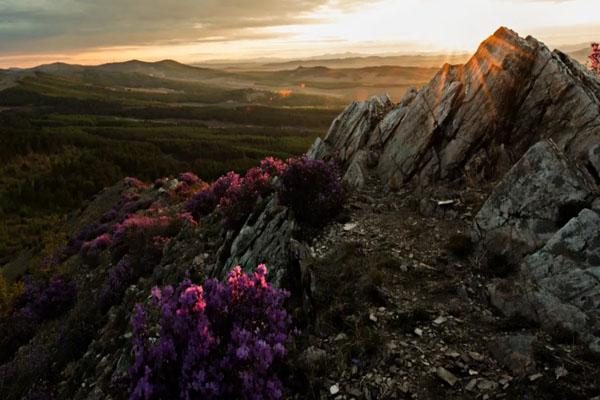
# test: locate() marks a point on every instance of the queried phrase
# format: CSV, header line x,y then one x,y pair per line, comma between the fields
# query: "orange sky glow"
x,y
37,31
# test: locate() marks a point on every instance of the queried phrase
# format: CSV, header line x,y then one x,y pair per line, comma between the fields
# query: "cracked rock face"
x,y
264,238
559,286
475,119
532,201
518,114
351,130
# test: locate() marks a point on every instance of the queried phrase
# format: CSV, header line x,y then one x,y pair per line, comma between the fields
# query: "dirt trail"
x,y
436,332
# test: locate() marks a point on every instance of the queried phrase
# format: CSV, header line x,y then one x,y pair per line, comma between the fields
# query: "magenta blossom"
x,y
216,341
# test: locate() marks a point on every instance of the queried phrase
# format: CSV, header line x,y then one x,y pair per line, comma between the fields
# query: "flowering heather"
x,y
189,178
186,218
594,57
312,189
102,242
240,198
119,278
185,191
205,201
137,247
217,341
90,251
131,207
139,225
135,183
235,195
49,299
273,166
73,246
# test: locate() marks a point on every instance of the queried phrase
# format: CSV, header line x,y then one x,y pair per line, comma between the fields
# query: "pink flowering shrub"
x,y
235,195
189,178
312,189
45,300
216,341
135,183
205,201
90,250
273,166
135,231
594,57
102,242
240,198
137,248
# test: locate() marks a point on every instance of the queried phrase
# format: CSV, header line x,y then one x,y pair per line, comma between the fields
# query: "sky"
x,y
34,32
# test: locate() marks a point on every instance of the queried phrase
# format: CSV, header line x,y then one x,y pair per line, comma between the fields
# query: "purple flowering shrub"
x,y
41,300
135,183
90,250
273,166
216,341
137,248
312,189
45,300
240,198
135,233
235,195
205,201
119,278
189,178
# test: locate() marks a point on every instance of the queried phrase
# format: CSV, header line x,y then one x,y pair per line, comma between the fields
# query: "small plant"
x,y
9,292
90,251
135,183
45,300
205,201
460,245
189,178
313,190
273,166
119,278
217,341
138,230
594,57
235,195
240,198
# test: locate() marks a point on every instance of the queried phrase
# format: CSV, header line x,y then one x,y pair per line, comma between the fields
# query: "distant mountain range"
x,y
346,76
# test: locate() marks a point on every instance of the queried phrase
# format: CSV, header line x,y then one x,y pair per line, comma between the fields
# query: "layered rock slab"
x,y
559,286
473,122
266,237
533,201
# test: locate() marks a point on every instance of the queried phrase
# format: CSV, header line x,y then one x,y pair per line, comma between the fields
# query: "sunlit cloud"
x,y
89,31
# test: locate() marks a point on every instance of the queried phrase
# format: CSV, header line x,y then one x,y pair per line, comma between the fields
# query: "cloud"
x,y
63,25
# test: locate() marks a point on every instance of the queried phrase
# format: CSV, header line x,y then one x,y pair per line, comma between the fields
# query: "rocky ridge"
x,y
473,121
466,263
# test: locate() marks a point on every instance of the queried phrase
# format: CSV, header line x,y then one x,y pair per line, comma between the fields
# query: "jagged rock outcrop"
x,y
351,130
559,286
266,237
474,121
515,112
534,200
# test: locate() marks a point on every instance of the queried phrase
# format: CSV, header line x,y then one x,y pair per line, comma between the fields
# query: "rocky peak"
x,y
472,122
521,116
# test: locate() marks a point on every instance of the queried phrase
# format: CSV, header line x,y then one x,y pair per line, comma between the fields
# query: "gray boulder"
x,y
351,130
559,286
594,160
266,237
532,201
